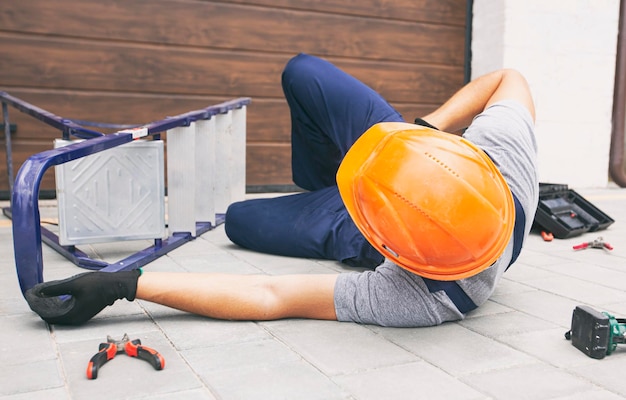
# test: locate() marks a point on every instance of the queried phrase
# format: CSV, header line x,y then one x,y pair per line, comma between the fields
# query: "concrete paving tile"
x,y
292,380
221,263
537,259
201,246
196,394
115,251
49,394
189,331
265,369
338,348
33,343
156,311
607,373
455,349
268,261
615,261
98,328
521,272
165,264
416,380
12,301
537,382
547,306
488,308
506,324
29,377
124,376
236,355
616,309
303,266
218,237
507,286
596,394
579,290
549,346
592,273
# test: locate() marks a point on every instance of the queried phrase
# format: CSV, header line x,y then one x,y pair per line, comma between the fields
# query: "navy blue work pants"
x,y
329,111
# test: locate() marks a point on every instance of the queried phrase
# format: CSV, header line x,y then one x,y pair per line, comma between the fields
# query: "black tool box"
x,y
565,213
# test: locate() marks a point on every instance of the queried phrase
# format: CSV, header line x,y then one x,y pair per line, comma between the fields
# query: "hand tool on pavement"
x,y
595,244
133,348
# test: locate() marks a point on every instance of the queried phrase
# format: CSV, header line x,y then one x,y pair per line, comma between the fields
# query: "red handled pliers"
x,y
133,348
596,244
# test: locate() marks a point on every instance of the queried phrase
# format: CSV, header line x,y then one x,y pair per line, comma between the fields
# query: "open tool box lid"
x,y
565,213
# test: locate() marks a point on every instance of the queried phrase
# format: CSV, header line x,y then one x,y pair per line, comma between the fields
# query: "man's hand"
x,y
87,294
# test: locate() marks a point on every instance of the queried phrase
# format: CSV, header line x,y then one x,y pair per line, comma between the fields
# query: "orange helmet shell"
x,y
432,202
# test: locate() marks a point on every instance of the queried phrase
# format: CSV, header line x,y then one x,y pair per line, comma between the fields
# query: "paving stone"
x,y
536,303
11,299
235,355
455,349
48,394
196,394
506,286
31,376
592,273
488,308
338,348
220,263
201,246
416,380
595,394
25,340
265,369
99,328
607,373
549,346
506,324
579,290
189,331
537,382
293,380
536,259
521,272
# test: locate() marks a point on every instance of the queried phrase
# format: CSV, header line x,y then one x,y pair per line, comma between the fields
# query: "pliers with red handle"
x,y
596,244
133,348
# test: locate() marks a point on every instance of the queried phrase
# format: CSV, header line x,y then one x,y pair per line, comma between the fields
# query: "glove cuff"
x,y
127,283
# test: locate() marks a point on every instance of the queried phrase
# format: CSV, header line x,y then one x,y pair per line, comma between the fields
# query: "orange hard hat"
x,y
431,201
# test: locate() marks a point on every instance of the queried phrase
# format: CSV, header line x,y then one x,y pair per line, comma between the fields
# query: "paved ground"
x,y
510,348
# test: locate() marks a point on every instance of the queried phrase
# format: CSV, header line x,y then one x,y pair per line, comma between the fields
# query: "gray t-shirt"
x,y
393,296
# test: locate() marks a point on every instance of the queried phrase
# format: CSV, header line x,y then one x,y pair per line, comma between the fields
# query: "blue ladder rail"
x,y
24,205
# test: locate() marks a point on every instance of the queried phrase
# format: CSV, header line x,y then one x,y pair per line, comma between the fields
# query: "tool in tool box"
x,y
598,243
547,236
133,348
596,334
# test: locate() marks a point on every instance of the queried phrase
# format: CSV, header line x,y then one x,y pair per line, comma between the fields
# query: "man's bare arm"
x,y
242,297
457,113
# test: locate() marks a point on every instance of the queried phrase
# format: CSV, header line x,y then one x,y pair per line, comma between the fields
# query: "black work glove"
x,y
419,121
90,292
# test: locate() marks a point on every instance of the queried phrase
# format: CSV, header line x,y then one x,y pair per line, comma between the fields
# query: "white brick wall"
x,y
566,49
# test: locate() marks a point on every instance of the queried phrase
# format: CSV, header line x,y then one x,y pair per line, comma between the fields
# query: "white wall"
x,y
566,49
